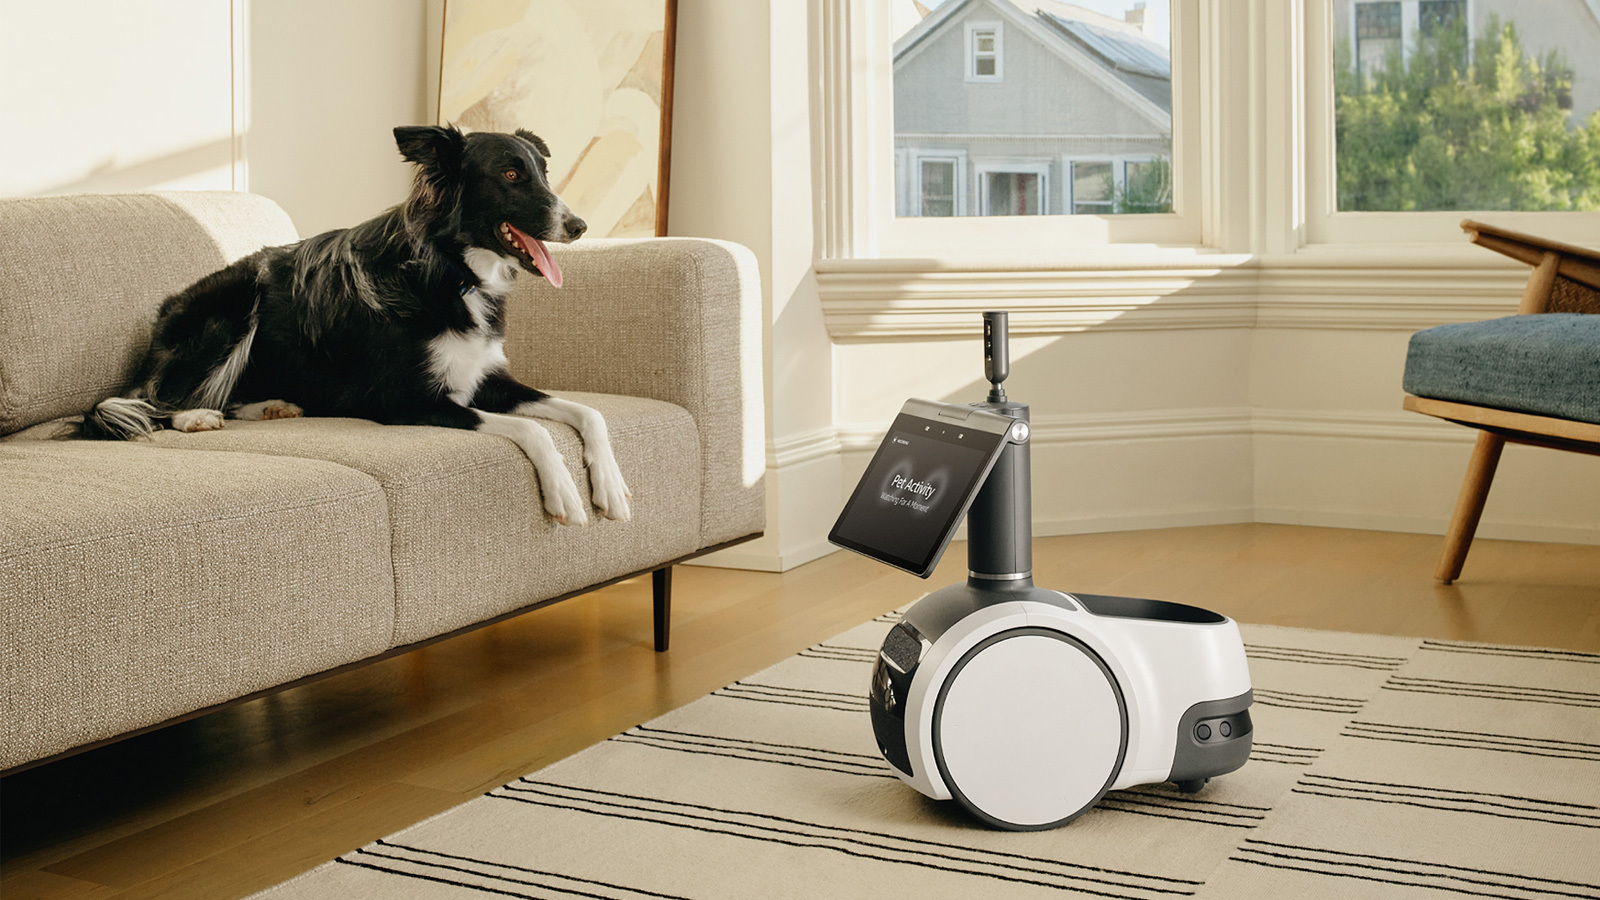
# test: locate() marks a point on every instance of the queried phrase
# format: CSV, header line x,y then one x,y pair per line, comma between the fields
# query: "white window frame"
x,y
957,158
1326,228
972,56
856,200
983,168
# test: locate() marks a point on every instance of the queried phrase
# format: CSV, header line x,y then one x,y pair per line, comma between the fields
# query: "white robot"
x,y
1027,705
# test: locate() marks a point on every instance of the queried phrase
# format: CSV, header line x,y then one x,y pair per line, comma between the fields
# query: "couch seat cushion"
x,y
137,584
470,536
1546,364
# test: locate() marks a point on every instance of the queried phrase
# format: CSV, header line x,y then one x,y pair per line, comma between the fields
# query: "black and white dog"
x,y
400,320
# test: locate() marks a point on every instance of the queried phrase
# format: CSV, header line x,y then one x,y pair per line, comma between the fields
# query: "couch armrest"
x,y
674,319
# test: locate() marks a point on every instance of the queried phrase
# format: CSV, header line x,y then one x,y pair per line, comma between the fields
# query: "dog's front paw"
x,y
561,498
192,420
610,491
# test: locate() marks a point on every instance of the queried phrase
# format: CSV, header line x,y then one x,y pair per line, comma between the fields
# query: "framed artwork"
x,y
591,77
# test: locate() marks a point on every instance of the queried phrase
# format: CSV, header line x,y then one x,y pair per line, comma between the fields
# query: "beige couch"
x,y
142,582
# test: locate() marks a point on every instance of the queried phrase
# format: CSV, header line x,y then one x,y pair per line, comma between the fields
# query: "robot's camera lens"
x,y
1203,732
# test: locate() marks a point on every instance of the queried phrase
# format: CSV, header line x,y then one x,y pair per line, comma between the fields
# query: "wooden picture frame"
x,y
591,77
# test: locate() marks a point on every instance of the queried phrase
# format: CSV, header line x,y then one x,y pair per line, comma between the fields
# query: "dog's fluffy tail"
x,y
121,419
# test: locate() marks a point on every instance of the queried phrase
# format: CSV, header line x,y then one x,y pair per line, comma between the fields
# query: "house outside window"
x,y
1039,84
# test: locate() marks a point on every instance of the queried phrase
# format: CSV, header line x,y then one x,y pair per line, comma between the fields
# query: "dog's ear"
x,y
537,142
436,149
433,207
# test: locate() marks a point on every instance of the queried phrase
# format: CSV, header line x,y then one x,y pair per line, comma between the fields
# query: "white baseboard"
x,y
1503,531
1061,525
764,560
804,492
763,556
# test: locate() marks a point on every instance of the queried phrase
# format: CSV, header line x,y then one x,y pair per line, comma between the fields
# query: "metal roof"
x,y
1118,49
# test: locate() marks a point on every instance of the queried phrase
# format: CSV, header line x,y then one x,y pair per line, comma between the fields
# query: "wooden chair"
x,y
1565,278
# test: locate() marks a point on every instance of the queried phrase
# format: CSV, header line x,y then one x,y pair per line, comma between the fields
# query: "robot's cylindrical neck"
x,y
1000,521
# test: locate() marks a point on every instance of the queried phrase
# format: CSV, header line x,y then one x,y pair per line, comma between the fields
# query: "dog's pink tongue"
x,y
541,255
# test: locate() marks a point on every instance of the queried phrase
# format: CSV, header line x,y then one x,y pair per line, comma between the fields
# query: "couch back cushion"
x,y
81,278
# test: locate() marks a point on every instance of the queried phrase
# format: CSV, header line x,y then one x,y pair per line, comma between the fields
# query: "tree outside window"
x,y
1446,121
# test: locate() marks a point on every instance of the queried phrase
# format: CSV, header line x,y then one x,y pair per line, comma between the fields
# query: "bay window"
x,y
1264,127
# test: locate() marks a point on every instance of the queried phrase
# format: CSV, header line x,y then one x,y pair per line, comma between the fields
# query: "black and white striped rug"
x,y
1383,767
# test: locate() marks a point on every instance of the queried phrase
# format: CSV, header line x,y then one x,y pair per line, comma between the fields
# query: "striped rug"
x,y
1383,767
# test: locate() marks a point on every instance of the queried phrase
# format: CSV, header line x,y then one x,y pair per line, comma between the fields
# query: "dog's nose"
x,y
576,227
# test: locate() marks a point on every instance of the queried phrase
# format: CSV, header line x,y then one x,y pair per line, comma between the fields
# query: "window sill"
x,y
1146,288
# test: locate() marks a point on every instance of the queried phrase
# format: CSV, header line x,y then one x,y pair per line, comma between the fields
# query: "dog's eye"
x,y
513,175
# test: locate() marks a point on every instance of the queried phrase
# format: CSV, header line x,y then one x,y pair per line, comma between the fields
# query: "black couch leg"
x,y
661,586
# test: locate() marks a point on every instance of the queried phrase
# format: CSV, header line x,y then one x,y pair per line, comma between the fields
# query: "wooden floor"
x,y
234,802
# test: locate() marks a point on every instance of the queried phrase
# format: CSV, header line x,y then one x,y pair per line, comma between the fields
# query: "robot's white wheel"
x,y
1029,729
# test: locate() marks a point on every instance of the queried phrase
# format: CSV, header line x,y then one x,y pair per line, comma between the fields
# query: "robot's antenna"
x,y
996,354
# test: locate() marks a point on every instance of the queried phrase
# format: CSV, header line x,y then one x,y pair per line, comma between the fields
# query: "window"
x,y
1436,16
983,52
1381,29
938,191
1378,35
931,183
1014,189
1092,188
1266,111
1447,120
1485,108
1146,186
1041,84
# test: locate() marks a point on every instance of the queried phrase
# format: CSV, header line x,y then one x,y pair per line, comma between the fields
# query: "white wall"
x,y
741,171
119,96
294,99
329,81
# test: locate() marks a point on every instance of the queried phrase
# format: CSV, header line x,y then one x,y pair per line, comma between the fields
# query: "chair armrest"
x,y
673,319
1581,264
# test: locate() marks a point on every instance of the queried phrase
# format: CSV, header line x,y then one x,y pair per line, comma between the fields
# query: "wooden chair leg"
x,y
1469,505
661,587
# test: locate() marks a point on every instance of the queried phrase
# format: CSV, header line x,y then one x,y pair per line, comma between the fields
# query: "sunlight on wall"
x,y
137,96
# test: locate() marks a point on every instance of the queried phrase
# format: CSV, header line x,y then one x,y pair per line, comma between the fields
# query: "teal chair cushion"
x,y
1548,364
